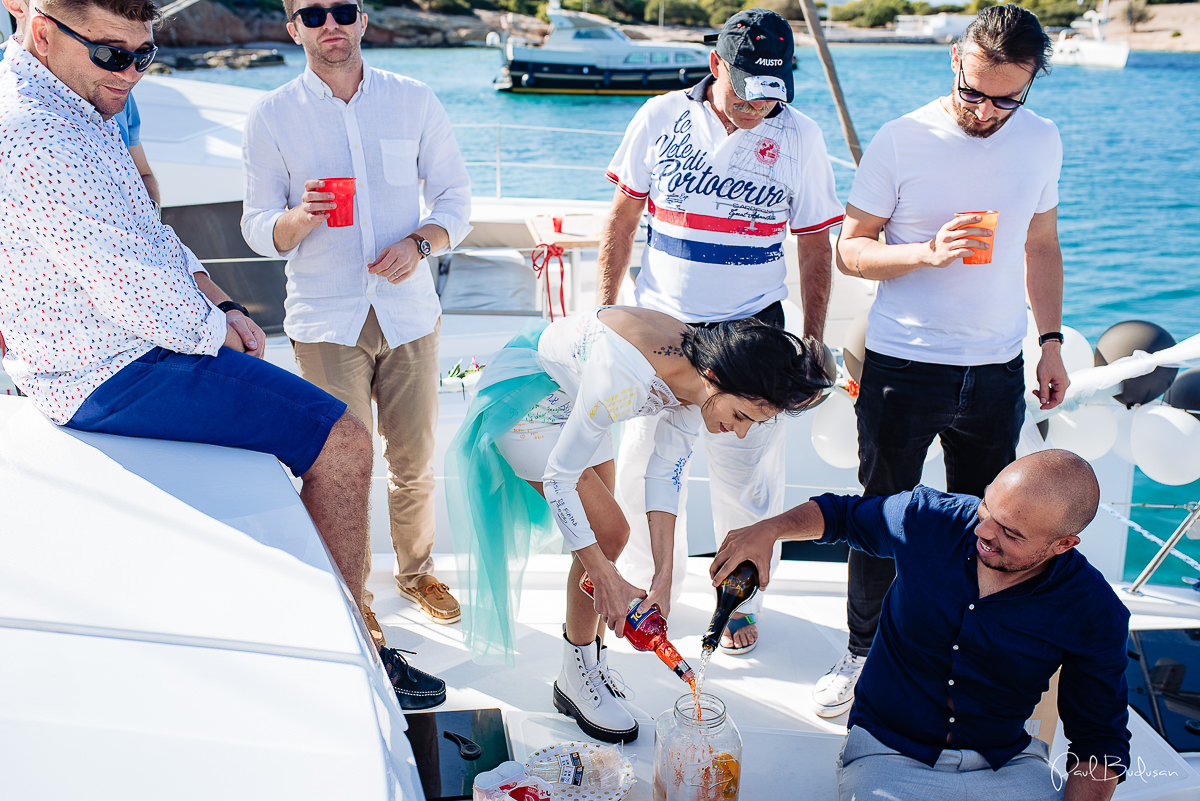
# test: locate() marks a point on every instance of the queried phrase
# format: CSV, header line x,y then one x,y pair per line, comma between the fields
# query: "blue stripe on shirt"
x,y
711,253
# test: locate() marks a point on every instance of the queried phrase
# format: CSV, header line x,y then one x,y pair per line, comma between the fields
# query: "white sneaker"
x,y
582,693
834,692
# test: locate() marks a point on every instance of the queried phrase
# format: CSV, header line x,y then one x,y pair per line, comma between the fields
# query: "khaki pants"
x,y
403,383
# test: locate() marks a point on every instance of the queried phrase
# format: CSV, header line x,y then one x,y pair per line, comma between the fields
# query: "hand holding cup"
x,y
983,231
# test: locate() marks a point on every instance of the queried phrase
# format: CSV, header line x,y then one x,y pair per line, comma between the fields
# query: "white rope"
x,y
1192,563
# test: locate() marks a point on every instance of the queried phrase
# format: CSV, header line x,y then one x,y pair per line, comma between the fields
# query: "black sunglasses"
x,y
974,97
105,56
314,16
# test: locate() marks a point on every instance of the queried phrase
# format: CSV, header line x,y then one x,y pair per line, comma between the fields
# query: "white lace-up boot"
x,y
619,688
834,692
582,693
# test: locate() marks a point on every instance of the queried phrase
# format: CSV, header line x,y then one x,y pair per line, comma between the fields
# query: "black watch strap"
x,y
423,245
1050,336
232,305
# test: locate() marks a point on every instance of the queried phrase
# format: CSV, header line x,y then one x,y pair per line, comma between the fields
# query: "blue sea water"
x,y
1129,212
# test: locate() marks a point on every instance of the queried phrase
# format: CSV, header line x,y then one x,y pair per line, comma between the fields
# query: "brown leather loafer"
x,y
434,598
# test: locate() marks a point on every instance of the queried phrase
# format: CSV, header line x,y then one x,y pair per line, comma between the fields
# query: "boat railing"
x,y
500,162
1166,547
473,149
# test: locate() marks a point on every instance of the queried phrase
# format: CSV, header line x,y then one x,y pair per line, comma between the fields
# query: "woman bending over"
x,y
543,413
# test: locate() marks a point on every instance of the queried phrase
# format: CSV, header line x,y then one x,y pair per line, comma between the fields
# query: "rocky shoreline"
x,y
245,38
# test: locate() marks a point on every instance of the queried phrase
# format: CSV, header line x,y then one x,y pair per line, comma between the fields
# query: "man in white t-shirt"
x,y
725,169
943,355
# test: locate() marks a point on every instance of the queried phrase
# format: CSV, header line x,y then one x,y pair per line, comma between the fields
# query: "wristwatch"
x,y
232,305
422,244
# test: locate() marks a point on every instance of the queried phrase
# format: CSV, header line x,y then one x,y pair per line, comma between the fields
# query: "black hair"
x,y
759,362
1009,34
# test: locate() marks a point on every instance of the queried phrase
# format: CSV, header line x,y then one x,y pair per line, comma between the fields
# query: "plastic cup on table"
x,y
343,195
987,220
557,222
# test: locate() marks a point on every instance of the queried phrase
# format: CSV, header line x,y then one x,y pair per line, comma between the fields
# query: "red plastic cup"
x,y
557,221
343,195
988,221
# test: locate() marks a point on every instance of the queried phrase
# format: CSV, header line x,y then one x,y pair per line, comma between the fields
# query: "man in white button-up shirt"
x,y
361,306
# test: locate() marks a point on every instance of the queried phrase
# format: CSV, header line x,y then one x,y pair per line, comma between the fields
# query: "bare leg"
x,y
595,491
335,494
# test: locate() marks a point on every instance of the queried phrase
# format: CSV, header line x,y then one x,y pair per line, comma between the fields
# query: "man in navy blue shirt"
x,y
990,599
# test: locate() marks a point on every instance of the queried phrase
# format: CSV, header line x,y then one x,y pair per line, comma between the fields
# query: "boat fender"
x,y
527,79
645,79
683,76
607,77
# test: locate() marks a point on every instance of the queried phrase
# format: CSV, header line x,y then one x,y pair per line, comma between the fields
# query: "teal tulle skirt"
x,y
497,519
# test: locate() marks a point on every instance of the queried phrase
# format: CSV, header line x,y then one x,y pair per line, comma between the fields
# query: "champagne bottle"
x,y
646,630
737,588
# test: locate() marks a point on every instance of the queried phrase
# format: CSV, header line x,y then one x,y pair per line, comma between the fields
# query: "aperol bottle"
x,y
646,630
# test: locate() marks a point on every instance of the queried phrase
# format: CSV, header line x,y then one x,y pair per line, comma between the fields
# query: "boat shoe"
x,y
374,627
415,689
434,599
581,693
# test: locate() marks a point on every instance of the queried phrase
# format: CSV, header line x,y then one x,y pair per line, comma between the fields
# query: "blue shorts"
x,y
230,399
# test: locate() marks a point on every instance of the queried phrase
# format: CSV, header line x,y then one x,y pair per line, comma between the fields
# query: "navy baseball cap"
x,y
757,45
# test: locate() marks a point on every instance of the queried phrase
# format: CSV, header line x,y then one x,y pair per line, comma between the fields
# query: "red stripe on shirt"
x,y
812,229
625,189
702,222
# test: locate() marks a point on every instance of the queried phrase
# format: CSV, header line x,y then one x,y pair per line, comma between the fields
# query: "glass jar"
x,y
697,759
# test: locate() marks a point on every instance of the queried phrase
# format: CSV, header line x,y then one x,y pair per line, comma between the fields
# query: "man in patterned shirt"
x,y
111,323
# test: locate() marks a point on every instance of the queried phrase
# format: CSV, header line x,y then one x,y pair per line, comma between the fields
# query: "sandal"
x,y
736,624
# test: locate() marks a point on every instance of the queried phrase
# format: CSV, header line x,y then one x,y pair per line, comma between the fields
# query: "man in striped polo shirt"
x,y
726,170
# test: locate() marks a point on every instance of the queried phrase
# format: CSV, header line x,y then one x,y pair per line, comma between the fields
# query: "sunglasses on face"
x,y
105,56
314,16
974,97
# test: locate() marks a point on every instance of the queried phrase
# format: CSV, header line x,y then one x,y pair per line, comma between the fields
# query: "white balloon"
x,y
1090,431
835,431
1030,440
1166,444
1123,446
1077,353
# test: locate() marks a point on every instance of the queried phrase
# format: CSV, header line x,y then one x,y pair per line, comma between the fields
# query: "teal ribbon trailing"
x,y
498,520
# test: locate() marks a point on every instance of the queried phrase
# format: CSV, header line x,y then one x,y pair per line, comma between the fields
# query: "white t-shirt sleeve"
x,y
631,164
1049,196
816,206
875,183
611,388
675,433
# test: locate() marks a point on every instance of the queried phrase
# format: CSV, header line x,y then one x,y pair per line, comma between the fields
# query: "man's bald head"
x,y
1061,484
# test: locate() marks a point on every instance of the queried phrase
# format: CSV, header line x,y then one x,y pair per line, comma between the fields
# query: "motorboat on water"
x,y
1085,45
170,618
589,54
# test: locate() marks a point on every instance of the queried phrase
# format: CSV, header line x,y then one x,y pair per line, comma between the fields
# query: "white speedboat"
x,y
589,54
170,622
1085,45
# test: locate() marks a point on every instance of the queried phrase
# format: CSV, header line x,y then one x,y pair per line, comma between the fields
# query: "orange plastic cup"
x,y
343,195
988,221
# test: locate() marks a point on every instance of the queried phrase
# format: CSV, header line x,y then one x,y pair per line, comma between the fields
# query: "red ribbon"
x,y
546,251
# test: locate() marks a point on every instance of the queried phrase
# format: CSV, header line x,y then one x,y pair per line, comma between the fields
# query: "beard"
x,y
973,127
